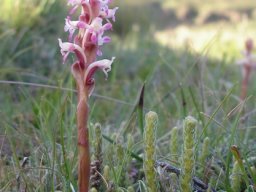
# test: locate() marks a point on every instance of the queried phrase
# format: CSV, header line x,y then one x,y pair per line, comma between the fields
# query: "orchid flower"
x,y
110,13
86,37
248,63
67,48
89,33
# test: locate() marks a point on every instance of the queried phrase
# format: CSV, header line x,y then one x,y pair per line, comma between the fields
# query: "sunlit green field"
x,y
183,52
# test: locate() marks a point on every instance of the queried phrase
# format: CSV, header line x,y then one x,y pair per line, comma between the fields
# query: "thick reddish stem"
x,y
83,140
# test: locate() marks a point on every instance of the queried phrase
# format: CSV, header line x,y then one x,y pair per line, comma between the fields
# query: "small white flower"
x,y
104,65
67,48
102,40
96,25
110,13
72,26
97,30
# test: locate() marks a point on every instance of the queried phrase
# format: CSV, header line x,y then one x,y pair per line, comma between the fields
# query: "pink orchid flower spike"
x,y
86,37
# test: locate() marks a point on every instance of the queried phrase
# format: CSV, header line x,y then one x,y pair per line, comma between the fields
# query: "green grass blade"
x,y
134,155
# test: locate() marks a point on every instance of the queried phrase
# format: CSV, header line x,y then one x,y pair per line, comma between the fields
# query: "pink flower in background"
x,y
248,63
249,58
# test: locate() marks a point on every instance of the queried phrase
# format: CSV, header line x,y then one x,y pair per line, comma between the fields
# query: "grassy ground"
x,y
187,64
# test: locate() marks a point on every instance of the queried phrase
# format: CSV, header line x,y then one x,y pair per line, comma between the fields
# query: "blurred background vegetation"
x,y
184,50
29,29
